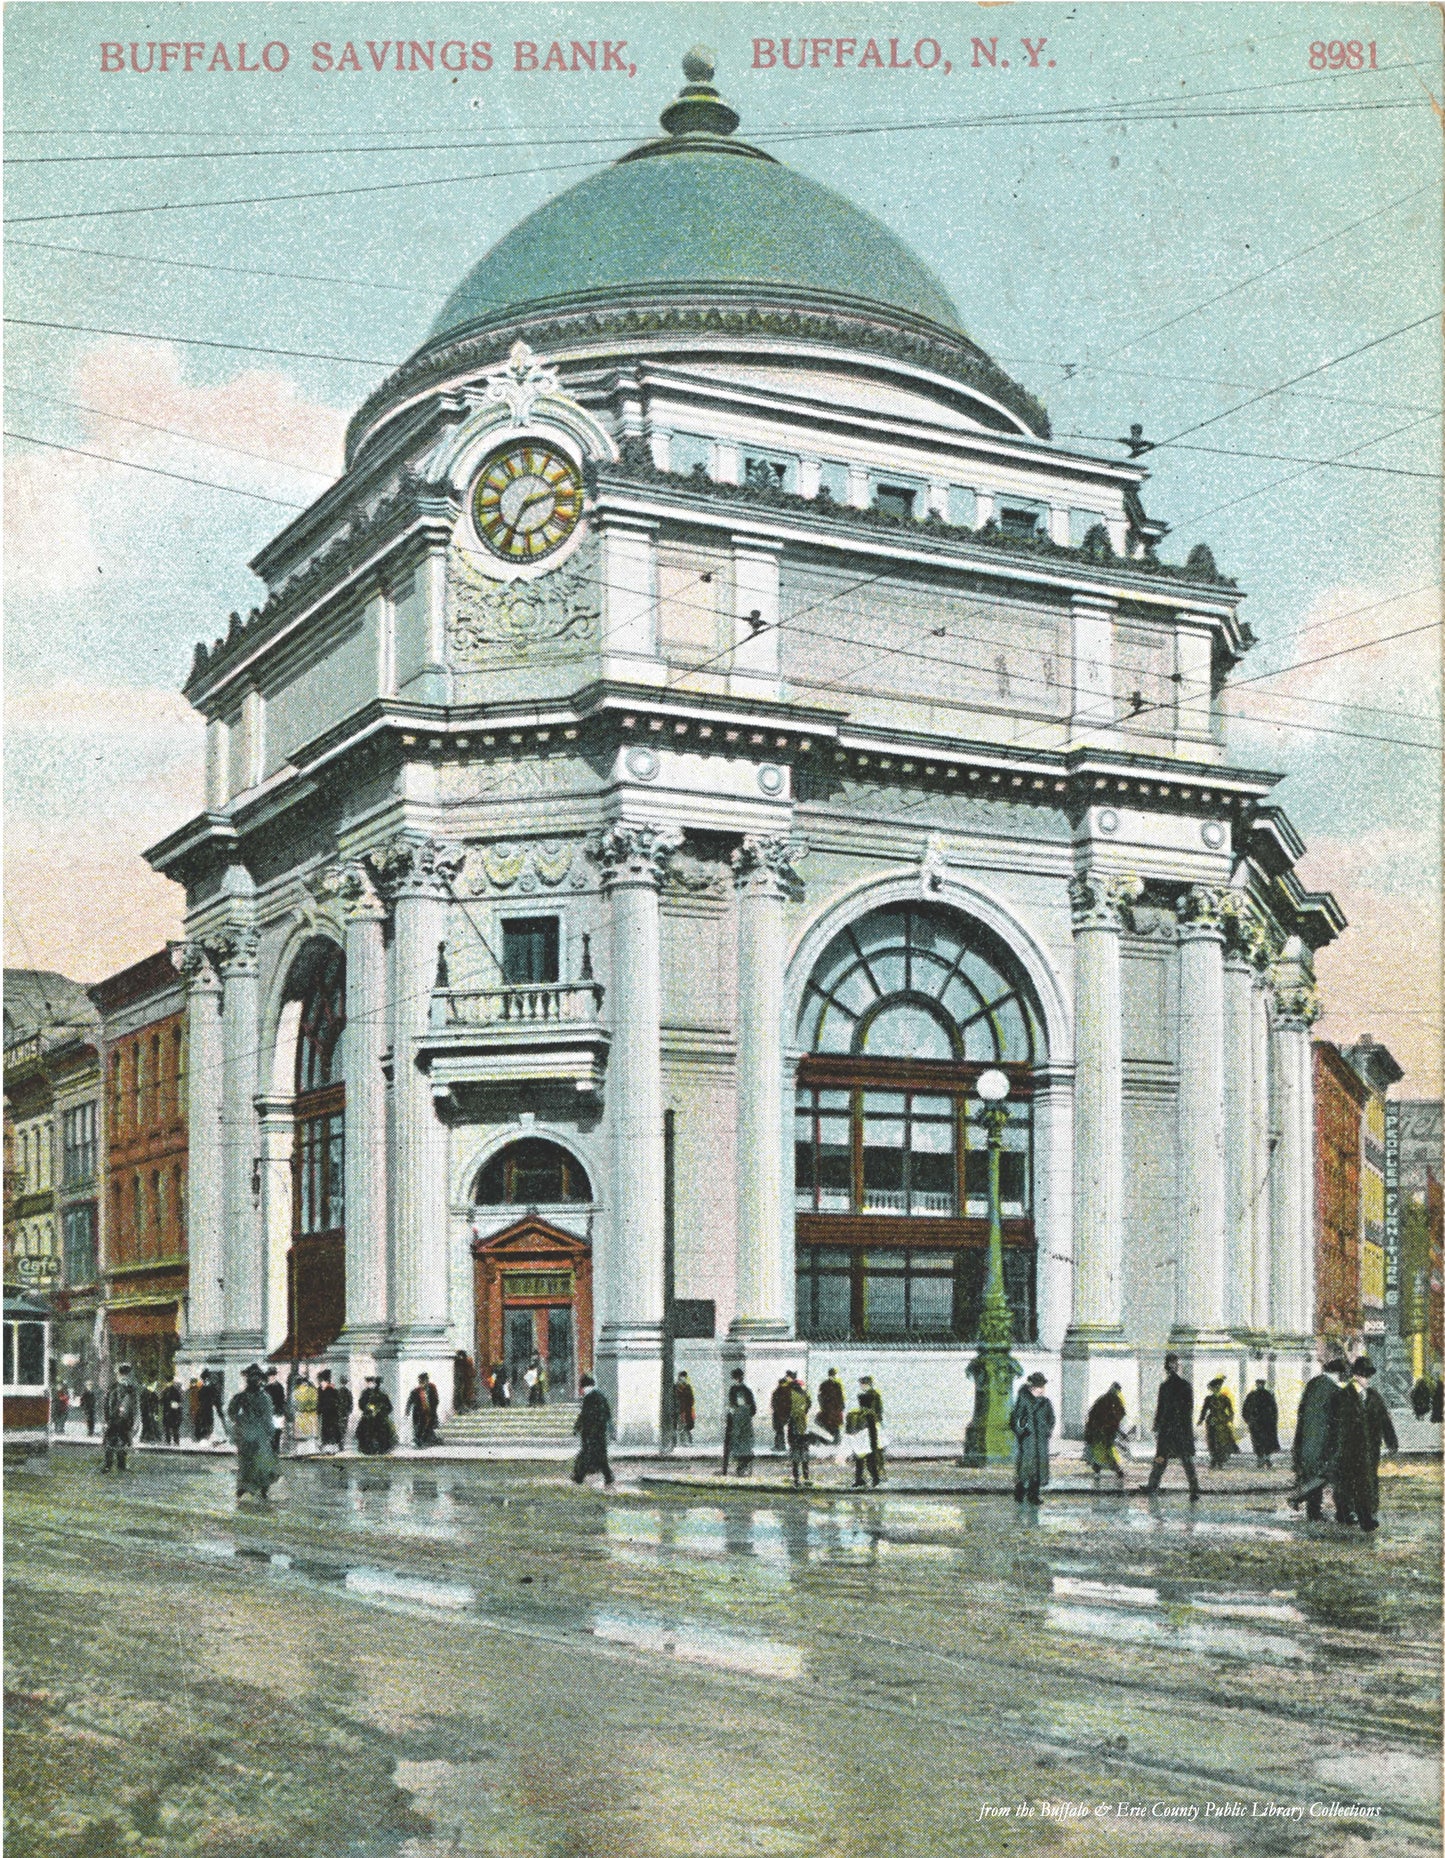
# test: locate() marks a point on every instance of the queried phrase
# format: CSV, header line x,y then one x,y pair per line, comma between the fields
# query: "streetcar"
x,y
26,1390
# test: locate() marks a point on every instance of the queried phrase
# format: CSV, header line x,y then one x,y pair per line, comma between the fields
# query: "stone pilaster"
x,y
1199,1333
1095,1352
205,1229
276,1133
1292,1276
234,951
763,872
630,1275
1262,1136
416,874
1239,1149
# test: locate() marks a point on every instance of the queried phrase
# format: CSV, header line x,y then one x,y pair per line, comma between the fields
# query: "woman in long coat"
x,y
251,1419
375,1433
1031,1422
304,1400
1217,1418
738,1427
1101,1432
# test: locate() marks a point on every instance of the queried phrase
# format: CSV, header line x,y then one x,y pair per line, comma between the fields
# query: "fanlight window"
x,y
323,1017
532,1173
910,982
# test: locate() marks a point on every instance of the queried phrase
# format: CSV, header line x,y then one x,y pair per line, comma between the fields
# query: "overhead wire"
x,y
129,464
175,432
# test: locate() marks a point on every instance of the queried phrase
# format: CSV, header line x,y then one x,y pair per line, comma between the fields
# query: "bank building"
x,y
709,723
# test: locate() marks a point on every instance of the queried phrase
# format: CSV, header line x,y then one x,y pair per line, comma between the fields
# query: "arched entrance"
x,y
903,1011
316,1263
533,1278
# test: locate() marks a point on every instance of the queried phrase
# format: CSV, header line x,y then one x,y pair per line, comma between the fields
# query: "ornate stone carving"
x,y
520,382
635,854
933,866
1297,1003
1247,936
350,891
514,864
1099,899
764,866
411,865
1202,910
692,876
192,960
235,950
491,621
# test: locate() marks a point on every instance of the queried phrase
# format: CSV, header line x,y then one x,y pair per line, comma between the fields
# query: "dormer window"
x,y
896,500
1024,521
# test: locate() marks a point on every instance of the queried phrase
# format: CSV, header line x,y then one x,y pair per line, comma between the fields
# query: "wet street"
x,y
440,1660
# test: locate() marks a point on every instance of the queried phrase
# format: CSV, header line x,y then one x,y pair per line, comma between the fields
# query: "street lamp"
x,y
993,1369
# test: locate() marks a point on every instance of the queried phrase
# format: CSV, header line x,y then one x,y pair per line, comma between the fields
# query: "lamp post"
x,y
993,1369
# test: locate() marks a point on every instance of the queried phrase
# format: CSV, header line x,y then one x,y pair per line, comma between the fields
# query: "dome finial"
x,y
698,109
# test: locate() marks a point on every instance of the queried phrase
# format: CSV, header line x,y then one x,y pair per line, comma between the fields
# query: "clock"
x,y
527,500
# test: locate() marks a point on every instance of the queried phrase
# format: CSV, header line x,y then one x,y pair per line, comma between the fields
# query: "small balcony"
x,y
548,1032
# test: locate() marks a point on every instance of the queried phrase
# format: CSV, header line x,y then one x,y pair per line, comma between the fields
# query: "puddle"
x,y
1138,1629
704,1645
380,1584
1250,1609
1390,1772
1107,1593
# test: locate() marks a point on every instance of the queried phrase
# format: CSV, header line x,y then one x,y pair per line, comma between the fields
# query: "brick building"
x,y
1341,1097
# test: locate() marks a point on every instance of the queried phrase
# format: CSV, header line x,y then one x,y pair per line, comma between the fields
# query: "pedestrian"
x,y
832,1405
1102,1426
328,1414
173,1406
60,1407
684,1406
1421,1394
592,1424
276,1394
1260,1413
1174,1428
863,1425
150,1413
464,1382
536,1379
1437,1400
871,1401
1316,1448
304,1400
122,1409
421,1408
781,1405
252,1415
1365,1427
211,1406
801,1404
87,1407
1032,1424
1217,1418
193,1406
501,1391
375,1433
738,1425
348,1405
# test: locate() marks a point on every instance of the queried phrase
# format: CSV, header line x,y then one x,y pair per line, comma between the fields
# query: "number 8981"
x,y
1343,55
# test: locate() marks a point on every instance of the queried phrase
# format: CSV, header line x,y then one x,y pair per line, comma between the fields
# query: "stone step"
x,y
499,1425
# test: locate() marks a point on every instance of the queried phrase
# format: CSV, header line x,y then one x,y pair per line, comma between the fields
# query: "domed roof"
x,y
696,208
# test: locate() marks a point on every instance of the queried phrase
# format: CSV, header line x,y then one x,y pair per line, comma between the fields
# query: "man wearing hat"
x,y
251,1416
1260,1413
1032,1423
1174,1428
122,1404
1365,1426
593,1423
1316,1448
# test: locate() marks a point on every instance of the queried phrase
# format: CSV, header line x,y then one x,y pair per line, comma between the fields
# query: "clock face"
x,y
527,501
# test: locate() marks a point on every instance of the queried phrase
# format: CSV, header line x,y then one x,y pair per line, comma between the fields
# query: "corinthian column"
x,y
416,873
1095,1351
205,1230
243,1303
368,1034
763,872
1292,1276
630,1273
1199,1331
1261,1318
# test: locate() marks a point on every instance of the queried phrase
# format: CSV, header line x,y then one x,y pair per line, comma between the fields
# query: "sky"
x,y
1228,218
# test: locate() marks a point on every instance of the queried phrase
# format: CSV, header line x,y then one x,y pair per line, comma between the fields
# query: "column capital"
x,y
635,854
413,865
351,888
1202,912
1247,937
235,950
192,961
764,867
1297,1003
1099,899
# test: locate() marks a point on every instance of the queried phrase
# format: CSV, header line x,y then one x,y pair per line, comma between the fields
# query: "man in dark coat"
x,y
122,1408
1365,1426
684,1406
421,1406
592,1425
206,1407
375,1434
328,1413
1260,1413
1174,1428
150,1414
87,1406
1437,1400
1102,1425
1032,1423
276,1394
738,1425
173,1405
1316,1448
1421,1394
781,1405
832,1404
250,1413
464,1382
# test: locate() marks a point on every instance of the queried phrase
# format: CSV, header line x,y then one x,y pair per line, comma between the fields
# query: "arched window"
x,y
532,1173
904,1011
323,1017
318,1198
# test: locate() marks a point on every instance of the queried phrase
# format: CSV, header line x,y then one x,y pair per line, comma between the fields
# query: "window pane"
x,y
888,971
835,1164
891,1260
803,1164
833,1316
835,1100
31,1367
884,1103
883,1303
9,1354
931,1305
336,1216
529,951
907,1031
883,1180
1013,1033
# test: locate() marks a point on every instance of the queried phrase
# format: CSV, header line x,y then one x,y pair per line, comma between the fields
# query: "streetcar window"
x,y
32,1354
9,1354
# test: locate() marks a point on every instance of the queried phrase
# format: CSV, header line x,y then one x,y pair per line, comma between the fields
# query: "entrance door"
x,y
561,1356
521,1346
